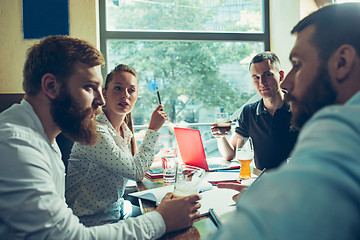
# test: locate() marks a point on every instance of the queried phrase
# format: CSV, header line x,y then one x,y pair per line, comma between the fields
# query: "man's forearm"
x,y
225,148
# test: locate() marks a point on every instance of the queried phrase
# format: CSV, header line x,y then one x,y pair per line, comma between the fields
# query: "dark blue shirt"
x,y
273,137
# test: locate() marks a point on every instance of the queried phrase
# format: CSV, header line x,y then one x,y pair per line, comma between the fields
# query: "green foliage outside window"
x,y
197,76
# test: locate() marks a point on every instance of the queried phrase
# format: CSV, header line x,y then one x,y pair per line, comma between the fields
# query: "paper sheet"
x,y
221,176
218,199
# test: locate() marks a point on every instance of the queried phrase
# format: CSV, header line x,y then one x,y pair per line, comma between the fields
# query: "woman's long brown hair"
x,y
128,118
129,122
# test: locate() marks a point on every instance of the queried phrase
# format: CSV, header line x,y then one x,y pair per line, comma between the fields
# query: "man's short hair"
x,y
260,57
56,55
335,25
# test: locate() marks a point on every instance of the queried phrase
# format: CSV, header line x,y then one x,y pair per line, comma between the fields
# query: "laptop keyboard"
x,y
215,165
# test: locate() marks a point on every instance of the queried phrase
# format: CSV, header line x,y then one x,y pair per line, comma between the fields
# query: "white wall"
x,y
83,24
284,15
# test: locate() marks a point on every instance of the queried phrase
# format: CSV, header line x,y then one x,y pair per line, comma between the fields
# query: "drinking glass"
x,y
223,123
169,168
187,180
244,154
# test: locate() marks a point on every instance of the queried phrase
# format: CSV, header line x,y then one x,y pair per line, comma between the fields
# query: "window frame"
x,y
183,36
179,35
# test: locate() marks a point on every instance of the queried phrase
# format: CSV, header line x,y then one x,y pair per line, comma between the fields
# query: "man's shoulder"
x,y
11,133
251,107
336,121
348,112
248,112
17,114
340,113
16,122
254,104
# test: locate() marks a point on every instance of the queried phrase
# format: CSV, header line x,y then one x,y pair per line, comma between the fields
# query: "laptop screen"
x,y
191,147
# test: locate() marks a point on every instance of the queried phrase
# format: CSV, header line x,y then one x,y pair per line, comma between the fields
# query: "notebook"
x,y
192,151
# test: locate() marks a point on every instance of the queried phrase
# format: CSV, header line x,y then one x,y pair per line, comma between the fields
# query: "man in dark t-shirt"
x,y
266,121
272,135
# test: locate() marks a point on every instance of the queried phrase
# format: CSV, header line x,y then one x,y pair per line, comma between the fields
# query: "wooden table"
x,y
202,228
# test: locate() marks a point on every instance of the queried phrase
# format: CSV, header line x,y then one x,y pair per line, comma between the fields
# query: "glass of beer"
x,y
187,180
244,154
223,123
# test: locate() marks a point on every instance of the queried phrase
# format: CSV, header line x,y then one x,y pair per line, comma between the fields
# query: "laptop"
x,y
192,151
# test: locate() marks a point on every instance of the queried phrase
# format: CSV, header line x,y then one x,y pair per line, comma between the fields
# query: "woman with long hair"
x,y
97,175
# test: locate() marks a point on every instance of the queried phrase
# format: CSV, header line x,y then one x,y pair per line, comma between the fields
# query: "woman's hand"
x,y
158,118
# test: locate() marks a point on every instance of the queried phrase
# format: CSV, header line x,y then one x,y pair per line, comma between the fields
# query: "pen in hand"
x,y
158,95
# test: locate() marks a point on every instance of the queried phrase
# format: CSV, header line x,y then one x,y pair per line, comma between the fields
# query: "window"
x,y
196,52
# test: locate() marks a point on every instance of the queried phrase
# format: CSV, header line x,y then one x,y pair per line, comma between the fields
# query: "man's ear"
x,y
104,92
342,62
281,72
49,85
